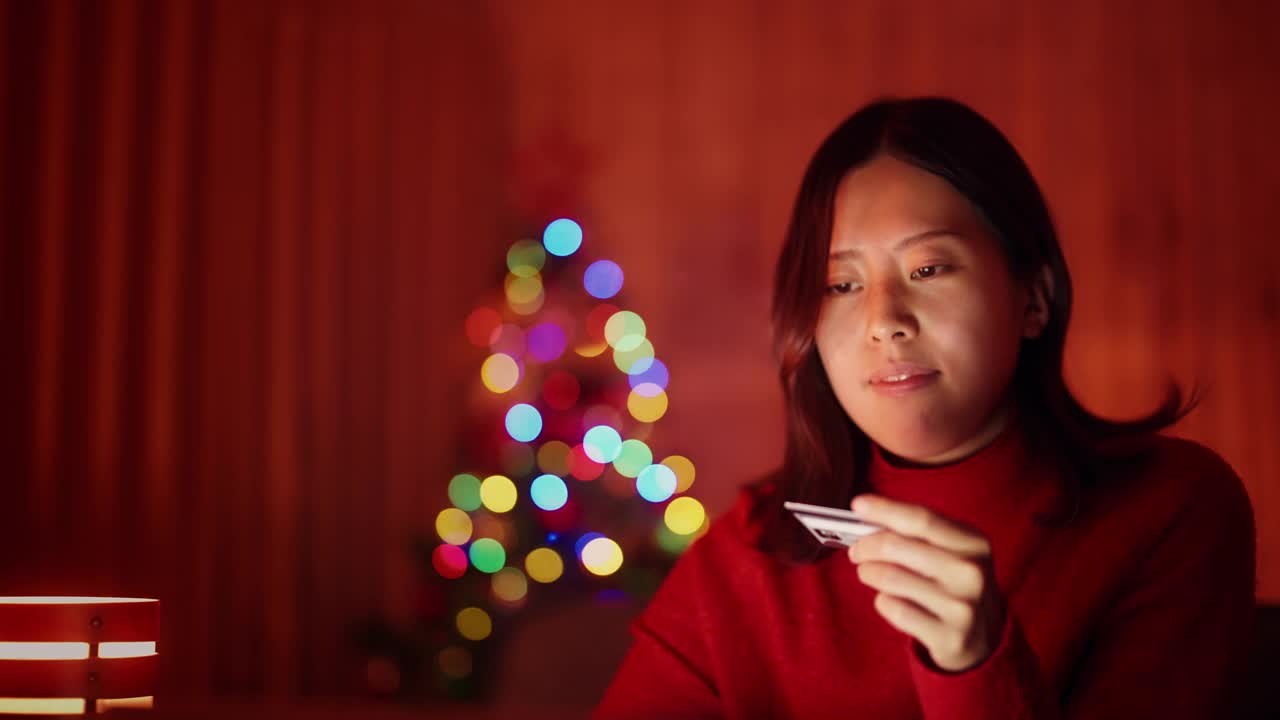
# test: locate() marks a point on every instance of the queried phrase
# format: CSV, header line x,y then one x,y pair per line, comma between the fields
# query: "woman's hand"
x,y
935,578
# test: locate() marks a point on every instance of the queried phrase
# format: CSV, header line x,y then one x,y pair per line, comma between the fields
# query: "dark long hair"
x,y
826,453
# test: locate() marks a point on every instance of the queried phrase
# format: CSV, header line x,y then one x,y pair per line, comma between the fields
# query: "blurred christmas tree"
x,y
559,494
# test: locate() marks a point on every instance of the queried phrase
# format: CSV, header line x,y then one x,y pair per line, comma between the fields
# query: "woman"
x,y
1036,561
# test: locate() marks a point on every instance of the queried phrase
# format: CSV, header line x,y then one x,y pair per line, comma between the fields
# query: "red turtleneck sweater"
x,y
1141,608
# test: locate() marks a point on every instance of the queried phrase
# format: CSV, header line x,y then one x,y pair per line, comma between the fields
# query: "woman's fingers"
x,y
920,522
958,576
923,592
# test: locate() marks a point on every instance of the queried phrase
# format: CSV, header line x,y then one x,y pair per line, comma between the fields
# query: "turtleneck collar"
x,y
996,484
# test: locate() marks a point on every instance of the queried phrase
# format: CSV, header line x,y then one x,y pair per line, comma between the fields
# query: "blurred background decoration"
x,y
242,244
567,374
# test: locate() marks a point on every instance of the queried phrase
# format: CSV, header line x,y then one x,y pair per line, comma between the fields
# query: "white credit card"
x,y
832,527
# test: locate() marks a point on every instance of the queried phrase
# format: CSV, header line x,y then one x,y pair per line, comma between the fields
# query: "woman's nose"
x,y
889,319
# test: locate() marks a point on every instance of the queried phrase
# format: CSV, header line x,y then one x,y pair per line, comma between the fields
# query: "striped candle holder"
x,y
77,655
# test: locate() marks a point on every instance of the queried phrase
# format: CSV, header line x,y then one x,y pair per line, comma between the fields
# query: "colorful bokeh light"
x,y
656,483
524,422
671,542
549,492
635,360
601,556
582,541
624,331
450,561
553,457
509,340
474,623
596,320
654,374
487,555
582,466
602,279
498,493
647,407
544,565
546,341
602,444
525,294
633,457
464,492
684,515
482,326
523,290
510,585
590,349
684,470
453,526
526,258
500,372
562,237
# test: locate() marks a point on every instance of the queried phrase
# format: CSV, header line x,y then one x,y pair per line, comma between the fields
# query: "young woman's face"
x,y
917,285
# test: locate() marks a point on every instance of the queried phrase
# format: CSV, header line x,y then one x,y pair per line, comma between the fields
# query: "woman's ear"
x,y
1036,317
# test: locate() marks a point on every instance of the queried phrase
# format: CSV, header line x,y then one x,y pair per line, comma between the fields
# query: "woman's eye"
x,y
839,288
927,271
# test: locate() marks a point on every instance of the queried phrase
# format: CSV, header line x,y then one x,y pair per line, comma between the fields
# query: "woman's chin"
x,y
915,446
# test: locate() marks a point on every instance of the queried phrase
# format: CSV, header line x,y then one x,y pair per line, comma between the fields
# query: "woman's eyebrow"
x,y
899,246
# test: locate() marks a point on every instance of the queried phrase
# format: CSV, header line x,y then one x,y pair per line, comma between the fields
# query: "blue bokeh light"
x,y
562,237
549,492
656,483
602,444
602,279
524,422
655,373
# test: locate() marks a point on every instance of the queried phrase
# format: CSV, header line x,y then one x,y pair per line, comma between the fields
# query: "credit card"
x,y
833,527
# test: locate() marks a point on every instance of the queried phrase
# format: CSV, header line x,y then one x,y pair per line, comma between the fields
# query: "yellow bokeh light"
x,y
523,290
647,409
553,457
684,515
590,350
624,330
453,526
500,373
544,565
510,585
474,623
498,493
530,307
684,470
628,360
602,556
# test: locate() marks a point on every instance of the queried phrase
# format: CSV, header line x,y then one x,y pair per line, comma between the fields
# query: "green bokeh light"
x,y
634,457
464,492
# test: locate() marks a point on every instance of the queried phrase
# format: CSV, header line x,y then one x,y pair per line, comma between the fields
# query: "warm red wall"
x,y
239,240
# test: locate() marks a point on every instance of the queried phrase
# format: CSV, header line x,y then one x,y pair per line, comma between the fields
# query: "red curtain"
x,y
234,235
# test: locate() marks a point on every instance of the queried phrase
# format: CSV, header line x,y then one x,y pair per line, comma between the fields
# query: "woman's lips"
x,y
909,385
